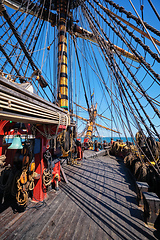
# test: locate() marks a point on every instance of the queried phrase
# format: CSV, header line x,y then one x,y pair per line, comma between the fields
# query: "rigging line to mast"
x,y
81,52
145,27
82,20
120,112
140,87
130,43
154,9
112,46
150,85
137,101
13,50
140,92
95,60
7,17
123,105
94,19
120,88
124,36
145,47
88,63
14,13
81,75
17,20
141,59
97,131
122,94
34,48
35,31
46,35
24,42
108,90
1,38
131,99
38,50
24,21
34,39
114,102
103,120
6,31
129,24
130,15
8,59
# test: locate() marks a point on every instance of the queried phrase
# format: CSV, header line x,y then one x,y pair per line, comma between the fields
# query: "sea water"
x,y
108,139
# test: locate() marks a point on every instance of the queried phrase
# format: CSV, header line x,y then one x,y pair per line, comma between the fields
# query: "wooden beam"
x,y
106,128
129,24
64,175
81,107
86,120
76,30
103,117
32,9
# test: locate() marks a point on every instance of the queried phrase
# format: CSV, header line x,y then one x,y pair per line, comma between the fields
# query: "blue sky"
x,y
47,62
150,18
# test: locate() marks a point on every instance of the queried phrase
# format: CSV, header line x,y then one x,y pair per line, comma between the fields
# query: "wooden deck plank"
x,y
98,203
81,230
80,220
40,218
55,223
22,225
110,208
74,215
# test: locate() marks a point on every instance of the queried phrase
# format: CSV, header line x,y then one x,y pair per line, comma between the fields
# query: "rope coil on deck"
x,y
22,195
47,177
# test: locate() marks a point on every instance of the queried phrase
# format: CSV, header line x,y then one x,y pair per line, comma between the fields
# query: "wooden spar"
x,y
129,24
96,113
86,120
99,115
32,9
62,56
77,31
106,128
81,107
84,34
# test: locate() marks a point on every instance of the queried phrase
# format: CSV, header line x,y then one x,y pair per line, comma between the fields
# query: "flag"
x,y
92,95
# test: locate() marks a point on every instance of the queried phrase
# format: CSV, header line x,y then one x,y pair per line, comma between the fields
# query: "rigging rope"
x,y
81,76
145,28
132,75
130,15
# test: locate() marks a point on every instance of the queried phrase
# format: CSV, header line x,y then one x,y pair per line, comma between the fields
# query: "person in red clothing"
x,y
112,141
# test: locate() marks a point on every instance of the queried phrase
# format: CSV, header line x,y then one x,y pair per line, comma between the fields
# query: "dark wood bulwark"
x,y
99,202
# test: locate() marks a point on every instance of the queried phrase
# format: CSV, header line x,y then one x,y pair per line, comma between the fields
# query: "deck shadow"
x,y
10,201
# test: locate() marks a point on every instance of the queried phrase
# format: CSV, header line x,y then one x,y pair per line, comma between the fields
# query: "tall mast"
x,y
89,131
62,55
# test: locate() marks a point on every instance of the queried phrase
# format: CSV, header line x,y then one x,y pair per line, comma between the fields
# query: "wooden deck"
x,y
98,203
